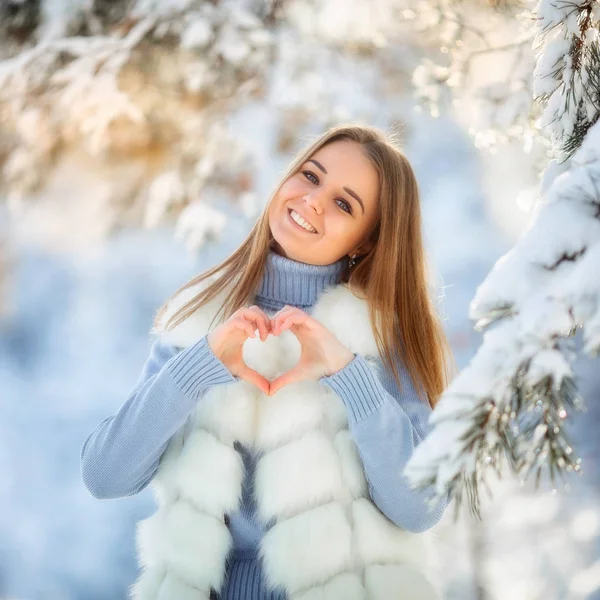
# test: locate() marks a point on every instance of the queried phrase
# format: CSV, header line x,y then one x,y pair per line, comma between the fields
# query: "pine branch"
x,y
568,85
513,400
591,98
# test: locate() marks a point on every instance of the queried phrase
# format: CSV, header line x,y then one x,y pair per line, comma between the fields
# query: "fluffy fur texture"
x,y
328,540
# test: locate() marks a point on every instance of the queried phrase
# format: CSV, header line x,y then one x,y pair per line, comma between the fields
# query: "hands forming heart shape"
x,y
322,354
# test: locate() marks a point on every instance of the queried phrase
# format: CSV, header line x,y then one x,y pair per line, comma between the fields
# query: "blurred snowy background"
x,y
139,140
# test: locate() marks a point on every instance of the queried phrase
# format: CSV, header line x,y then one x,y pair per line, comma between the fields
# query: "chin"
x,y
286,245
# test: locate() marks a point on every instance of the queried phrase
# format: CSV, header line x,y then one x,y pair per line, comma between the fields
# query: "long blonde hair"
x,y
392,275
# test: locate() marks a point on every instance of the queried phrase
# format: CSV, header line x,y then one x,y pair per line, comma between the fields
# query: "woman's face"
x,y
336,192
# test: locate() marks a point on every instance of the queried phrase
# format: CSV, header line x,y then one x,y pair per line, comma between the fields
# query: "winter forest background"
x,y
140,139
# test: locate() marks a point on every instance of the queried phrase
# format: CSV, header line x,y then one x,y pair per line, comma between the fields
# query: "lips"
x,y
297,211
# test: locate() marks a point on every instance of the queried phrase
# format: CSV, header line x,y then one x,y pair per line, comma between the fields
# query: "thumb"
x,y
255,378
285,379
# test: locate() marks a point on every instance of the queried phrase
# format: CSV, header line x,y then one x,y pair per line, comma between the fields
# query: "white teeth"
x,y
302,222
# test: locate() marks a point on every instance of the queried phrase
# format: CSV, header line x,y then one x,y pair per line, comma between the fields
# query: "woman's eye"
x,y
309,174
348,208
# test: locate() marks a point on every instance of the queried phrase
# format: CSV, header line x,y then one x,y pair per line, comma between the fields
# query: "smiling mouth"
x,y
298,224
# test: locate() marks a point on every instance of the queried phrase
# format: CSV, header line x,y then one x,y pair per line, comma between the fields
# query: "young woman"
x,y
277,459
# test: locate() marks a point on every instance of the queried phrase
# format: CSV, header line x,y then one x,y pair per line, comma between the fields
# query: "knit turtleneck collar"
x,y
287,281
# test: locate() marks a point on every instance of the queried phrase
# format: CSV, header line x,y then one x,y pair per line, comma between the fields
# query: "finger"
x,y
259,318
263,321
290,320
285,379
286,307
256,379
284,314
249,317
295,319
244,326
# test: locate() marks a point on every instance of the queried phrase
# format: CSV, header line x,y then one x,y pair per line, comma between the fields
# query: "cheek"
x,y
291,188
339,232
288,190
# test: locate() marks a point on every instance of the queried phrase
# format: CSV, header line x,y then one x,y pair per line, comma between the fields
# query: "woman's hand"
x,y
226,342
322,354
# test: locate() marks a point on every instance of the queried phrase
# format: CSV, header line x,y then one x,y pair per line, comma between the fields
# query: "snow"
x,y
199,222
197,35
166,190
555,75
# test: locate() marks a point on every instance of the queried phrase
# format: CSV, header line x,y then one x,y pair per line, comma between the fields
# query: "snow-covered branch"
x,y
512,399
566,69
482,67
149,86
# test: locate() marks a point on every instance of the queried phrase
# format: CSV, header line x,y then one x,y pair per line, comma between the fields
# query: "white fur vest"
x,y
329,541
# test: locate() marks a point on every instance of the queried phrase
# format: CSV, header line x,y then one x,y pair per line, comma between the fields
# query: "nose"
x,y
314,201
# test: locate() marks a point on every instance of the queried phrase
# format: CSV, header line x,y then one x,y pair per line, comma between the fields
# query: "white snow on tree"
x,y
512,400
137,82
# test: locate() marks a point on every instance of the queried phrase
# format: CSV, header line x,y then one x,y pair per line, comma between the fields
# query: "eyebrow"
x,y
352,193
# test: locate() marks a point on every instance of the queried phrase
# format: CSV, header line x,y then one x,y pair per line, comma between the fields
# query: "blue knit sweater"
x,y
120,457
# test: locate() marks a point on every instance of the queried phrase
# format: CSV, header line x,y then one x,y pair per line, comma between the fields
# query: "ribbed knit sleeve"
x,y
387,425
196,368
119,458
